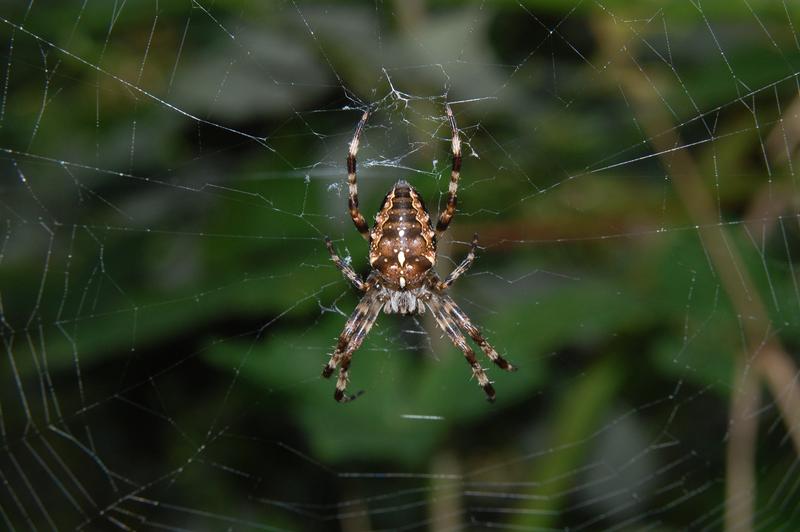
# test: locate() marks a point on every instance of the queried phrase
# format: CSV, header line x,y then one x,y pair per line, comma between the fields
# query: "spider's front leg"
x,y
345,268
351,338
455,173
352,181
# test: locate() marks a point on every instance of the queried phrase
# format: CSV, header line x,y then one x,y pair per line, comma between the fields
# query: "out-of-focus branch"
x,y
770,361
740,458
781,376
781,147
784,139
445,506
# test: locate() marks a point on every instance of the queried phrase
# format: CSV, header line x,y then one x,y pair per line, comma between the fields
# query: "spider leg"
x,y
461,269
355,214
446,323
458,315
346,269
351,338
455,173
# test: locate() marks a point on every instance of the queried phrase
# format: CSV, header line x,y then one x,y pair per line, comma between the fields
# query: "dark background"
x,y
169,170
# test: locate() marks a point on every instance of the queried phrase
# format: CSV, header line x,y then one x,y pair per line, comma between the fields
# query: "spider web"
x,y
170,169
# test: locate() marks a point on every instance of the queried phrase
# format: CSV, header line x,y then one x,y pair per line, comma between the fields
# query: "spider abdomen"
x,y
402,242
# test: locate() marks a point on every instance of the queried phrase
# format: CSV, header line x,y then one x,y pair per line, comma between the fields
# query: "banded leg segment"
x,y
341,382
462,268
449,327
355,214
463,321
351,338
455,173
345,268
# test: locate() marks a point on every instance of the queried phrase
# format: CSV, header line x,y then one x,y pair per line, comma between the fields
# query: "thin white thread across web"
x,y
49,435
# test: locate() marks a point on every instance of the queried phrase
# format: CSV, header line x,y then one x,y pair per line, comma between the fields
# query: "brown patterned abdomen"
x,y
403,246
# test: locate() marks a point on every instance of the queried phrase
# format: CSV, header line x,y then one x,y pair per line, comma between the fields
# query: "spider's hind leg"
x,y
463,321
451,329
351,338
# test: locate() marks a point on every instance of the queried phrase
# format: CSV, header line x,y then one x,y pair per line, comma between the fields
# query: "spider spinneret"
x,y
402,254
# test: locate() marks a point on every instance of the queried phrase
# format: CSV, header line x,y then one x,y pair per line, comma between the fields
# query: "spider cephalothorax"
x,y
402,253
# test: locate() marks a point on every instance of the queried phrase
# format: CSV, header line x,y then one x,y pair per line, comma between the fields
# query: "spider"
x,y
402,253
